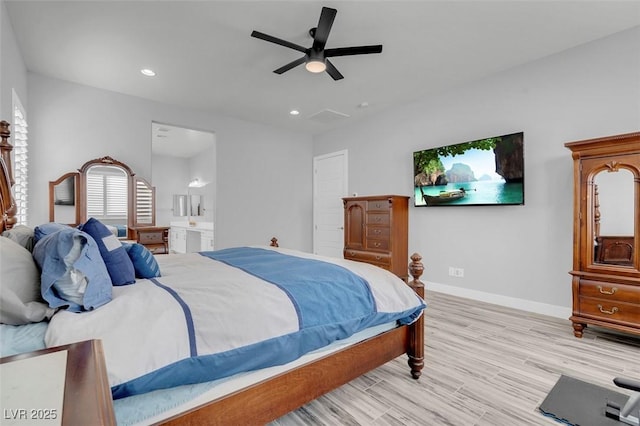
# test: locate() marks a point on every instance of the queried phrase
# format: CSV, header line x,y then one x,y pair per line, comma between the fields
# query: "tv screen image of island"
x,y
486,171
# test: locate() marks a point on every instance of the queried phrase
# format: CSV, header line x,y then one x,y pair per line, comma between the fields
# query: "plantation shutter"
x,y
116,196
107,193
21,163
144,203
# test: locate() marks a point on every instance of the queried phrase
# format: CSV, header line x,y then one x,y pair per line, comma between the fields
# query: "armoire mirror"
x,y
613,217
106,189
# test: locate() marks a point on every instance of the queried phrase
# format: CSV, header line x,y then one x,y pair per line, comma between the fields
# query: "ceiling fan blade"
x,y
357,50
324,27
290,65
276,40
333,71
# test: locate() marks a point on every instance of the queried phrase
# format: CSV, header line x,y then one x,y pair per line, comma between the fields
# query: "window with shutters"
x,y
107,193
20,160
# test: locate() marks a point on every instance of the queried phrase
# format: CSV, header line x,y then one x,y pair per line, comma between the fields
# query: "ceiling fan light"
x,y
315,66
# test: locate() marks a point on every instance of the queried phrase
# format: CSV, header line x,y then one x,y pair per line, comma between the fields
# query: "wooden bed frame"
x,y
272,398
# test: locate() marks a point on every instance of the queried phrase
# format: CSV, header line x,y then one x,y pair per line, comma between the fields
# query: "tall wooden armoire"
x,y
606,233
376,231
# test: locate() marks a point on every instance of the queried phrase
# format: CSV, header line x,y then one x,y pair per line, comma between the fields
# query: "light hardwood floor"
x,y
484,365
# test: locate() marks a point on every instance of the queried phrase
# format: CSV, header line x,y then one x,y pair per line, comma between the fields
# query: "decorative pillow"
x,y
73,272
114,255
20,301
144,262
22,235
46,229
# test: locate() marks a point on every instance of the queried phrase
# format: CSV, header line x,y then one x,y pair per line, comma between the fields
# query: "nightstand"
x,y
86,395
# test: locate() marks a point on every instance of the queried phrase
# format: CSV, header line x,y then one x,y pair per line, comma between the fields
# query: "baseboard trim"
x,y
497,299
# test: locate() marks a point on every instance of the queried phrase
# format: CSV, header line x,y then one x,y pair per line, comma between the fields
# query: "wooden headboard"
x,y
8,206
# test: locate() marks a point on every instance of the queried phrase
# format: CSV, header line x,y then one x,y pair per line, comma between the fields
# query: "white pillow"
x,y
20,299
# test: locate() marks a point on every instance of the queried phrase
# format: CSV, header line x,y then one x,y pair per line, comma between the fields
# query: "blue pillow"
x,y
143,261
46,229
73,273
114,255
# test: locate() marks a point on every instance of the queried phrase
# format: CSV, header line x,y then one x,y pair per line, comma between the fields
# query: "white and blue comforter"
x,y
250,308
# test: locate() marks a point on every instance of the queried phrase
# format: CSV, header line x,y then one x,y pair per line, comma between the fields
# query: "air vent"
x,y
328,116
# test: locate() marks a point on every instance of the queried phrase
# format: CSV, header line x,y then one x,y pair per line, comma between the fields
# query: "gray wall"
x,y
256,198
13,73
518,255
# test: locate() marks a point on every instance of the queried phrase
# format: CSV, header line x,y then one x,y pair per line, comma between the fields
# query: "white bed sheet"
x,y
200,394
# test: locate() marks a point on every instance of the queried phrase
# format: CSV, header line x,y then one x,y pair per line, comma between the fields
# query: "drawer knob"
x,y
611,312
376,244
603,291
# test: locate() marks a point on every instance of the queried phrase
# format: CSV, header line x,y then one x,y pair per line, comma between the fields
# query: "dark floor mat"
x,y
578,403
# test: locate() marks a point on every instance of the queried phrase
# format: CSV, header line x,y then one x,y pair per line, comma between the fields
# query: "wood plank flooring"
x,y
484,365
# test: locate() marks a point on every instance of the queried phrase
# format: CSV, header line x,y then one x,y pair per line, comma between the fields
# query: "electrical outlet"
x,y
456,272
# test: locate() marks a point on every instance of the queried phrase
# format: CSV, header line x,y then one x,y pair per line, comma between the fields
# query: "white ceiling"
x,y
174,141
205,58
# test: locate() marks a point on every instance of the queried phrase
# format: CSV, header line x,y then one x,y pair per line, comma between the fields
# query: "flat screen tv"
x,y
484,172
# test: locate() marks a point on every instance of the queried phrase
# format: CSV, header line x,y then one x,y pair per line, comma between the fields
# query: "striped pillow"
x,y
143,261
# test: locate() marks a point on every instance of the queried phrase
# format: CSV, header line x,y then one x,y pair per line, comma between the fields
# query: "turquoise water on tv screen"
x,y
479,192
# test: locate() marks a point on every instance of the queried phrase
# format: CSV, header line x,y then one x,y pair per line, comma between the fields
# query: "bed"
x,y
269,390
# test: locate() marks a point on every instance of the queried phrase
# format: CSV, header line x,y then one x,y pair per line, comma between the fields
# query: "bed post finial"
x,y
416,330
6,148
274,242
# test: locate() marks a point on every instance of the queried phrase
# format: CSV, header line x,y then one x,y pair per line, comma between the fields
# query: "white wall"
x,y
263,174
13,72
513,254
167,184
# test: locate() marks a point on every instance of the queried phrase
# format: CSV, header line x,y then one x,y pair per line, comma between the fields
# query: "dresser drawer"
x,y
610,310
377,244
369,257
379,232
145,237
381,219
378,205
610,291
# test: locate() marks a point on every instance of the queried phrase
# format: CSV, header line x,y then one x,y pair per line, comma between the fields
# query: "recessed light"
x,y
148,72
294,112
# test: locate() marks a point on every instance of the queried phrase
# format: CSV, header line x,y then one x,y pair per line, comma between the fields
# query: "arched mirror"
x,y
614,217
107,190
63,199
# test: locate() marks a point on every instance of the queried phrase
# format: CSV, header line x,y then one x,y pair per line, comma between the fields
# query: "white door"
x,y
329,186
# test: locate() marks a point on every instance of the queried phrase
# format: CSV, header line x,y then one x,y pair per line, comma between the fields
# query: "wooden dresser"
x,y
155,238
606,233
376,231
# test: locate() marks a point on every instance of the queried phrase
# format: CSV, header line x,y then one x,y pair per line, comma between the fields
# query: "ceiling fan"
x,y
315,57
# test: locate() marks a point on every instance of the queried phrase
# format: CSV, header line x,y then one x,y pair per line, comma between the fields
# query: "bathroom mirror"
x,y
188,205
